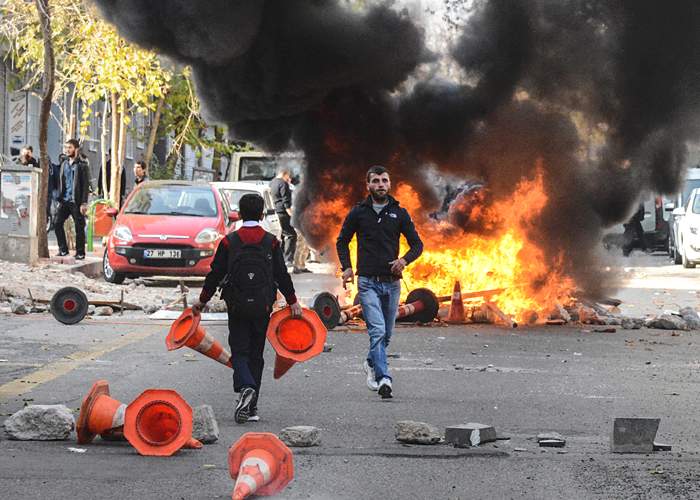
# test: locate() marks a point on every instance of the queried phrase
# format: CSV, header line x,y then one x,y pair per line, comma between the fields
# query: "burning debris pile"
x,y
567,110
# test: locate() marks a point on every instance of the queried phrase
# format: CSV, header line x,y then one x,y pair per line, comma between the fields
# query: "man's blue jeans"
x,y
379,301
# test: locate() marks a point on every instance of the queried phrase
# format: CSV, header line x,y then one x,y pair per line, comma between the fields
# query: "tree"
x,y
42,7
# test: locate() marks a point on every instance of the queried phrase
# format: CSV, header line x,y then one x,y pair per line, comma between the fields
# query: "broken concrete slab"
x,y
691,317
667,322
104,311
634,435
471,434
301,436
40,423
204,425
18,306
408,431
632,323
662,447
551,440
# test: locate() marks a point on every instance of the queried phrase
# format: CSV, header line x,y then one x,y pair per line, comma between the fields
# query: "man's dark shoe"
x,y
79,256
243,407
298,270
61,254
385,388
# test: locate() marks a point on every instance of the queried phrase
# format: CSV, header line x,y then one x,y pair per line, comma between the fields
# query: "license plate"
x,y
158,253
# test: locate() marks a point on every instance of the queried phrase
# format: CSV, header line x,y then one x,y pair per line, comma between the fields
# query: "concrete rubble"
x,y
667,322
691,317
40,423
204,425
104,311
301,436
551,440
634,435
18,306
471,434
408,431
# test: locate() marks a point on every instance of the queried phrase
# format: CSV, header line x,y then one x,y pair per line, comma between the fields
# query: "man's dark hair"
x,y
74,143
28,148
376,170
251,207
142,164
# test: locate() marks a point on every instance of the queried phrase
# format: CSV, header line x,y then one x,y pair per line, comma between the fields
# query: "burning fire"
x,y
505,258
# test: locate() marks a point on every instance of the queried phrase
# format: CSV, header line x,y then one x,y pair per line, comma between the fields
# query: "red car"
x,y
166,228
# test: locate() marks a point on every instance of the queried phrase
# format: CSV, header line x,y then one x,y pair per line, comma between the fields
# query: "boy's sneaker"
x,y
243,407
253,415
385,388
371,378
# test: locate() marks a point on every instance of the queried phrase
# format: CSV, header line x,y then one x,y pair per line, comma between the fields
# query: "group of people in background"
x,y
69,188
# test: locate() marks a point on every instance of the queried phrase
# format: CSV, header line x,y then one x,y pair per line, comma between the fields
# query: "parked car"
x,y
655,225
166,228
689,231
232,192
677,205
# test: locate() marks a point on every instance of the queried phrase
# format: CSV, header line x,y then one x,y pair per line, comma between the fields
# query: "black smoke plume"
x,y
605,92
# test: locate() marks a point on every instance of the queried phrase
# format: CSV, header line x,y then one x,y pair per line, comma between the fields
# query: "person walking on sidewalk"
x,y
73,189
281,190
249,267
379,221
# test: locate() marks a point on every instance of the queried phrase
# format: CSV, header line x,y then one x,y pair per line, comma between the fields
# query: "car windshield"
x,y
233,196
173,199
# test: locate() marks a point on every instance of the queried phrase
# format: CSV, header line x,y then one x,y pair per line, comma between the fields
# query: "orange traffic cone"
x,y
261,464
158,423
99,413
295,339
185,331
456,314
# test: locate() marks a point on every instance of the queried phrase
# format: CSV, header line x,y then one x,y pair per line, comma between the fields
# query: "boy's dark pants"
x,y
246,338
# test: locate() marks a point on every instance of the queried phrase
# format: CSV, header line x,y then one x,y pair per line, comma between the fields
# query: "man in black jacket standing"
x,y
282,198
379,222
73,189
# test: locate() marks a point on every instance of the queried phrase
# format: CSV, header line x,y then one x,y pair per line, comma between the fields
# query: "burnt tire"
x,y
326,306
69,305
430,306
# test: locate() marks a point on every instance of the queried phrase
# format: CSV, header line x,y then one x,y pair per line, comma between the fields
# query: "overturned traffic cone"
x,y
159,423
186,331
456,314
295,339
261,464
99,413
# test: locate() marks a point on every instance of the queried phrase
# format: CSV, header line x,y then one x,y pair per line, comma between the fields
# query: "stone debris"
x,y
408,431
204,425
91,309
18,306
551,440
667,322
662,447
301,436
40,423
104,311
471,434
632,323
691,317
634,435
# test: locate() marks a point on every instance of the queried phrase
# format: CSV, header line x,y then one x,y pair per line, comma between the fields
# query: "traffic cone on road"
x,y
186,331
99,413
159,423
260,464
295,339
456,314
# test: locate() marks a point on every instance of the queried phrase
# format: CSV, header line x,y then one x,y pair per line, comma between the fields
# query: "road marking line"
x,y
55,369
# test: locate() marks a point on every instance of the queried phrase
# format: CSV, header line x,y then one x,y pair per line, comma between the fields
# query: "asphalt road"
x,y
525,381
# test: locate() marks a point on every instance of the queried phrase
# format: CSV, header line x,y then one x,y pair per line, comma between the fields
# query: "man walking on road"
x,y
249,267
282,199
379,222
73,189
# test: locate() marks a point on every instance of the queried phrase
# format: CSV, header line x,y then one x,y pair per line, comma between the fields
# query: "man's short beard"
x,y
378,198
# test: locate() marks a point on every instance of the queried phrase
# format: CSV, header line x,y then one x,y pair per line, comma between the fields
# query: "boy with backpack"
x,y
249,267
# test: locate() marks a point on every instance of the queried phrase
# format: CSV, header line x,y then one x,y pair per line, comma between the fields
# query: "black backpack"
x,y
249,286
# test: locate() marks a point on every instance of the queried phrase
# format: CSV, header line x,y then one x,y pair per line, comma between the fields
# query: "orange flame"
x,y
505,258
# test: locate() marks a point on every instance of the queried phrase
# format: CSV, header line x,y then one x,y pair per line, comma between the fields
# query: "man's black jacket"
x,y
281,195
377,237
81,182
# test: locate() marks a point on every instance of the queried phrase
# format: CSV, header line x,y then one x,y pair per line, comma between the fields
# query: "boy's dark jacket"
x,y
249,236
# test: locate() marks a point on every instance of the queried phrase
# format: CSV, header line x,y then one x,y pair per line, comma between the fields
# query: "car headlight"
x,y
207,235
693,230
122,233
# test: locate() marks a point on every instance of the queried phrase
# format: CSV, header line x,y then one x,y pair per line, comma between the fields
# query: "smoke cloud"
x,y
605,92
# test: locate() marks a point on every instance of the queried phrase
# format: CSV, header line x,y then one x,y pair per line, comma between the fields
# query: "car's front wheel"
x,y
686,263
111,276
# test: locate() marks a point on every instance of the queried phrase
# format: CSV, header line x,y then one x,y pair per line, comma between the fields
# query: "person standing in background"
x,y
73,189
282,199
